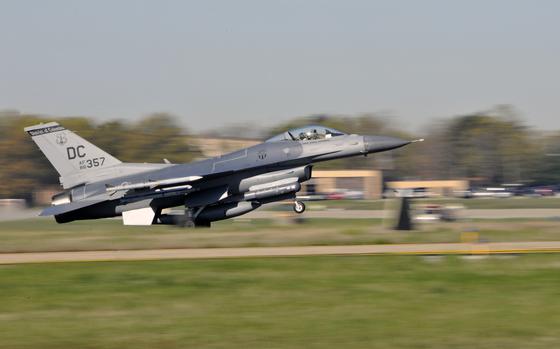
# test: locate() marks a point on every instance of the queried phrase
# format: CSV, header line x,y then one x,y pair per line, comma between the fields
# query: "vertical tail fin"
x,y
72,156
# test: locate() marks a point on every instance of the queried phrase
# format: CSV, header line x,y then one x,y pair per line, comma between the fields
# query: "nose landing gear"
x,y
299,207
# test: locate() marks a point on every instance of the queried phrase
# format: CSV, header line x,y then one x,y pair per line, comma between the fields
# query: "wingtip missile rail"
x,y
151,184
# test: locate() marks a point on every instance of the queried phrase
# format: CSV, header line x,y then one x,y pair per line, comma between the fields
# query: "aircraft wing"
x,y
163,185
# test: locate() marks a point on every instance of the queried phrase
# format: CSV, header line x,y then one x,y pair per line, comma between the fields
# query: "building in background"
x,y
346,184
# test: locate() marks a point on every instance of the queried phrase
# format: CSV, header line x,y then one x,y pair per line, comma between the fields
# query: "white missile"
x,y
152,184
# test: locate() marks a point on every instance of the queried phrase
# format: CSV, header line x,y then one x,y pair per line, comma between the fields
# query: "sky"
x,y
212,63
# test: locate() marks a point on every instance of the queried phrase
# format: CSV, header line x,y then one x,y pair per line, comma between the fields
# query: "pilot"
x,y
312,134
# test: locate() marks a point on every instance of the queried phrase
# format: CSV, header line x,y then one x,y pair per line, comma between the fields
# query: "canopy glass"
x,y
307,133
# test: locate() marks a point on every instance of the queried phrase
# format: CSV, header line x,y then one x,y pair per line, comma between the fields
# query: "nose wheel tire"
x,y
299,207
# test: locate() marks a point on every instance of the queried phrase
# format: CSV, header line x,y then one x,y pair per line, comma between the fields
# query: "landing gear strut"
x,y
299,207
188,220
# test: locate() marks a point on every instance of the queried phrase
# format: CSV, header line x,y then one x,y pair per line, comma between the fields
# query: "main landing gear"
x,y
299,207
189,220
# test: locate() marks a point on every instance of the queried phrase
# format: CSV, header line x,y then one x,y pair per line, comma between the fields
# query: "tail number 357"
x,y
90,163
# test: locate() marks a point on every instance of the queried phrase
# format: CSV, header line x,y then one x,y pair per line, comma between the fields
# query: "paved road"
x,y
18,214
207,253
512,213
364,214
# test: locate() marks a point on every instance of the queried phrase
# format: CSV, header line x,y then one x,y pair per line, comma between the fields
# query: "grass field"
x,y
312,302
46,235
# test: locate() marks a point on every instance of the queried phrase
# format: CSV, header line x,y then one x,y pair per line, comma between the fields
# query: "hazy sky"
x,y
213,62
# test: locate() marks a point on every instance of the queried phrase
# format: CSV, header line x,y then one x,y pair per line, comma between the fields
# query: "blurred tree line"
x,y
489,148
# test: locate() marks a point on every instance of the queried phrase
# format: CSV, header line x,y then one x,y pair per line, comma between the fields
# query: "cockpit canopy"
x,y
306,133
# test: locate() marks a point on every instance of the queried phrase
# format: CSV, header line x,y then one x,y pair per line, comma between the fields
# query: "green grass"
x,y
46,235
481,203
312,302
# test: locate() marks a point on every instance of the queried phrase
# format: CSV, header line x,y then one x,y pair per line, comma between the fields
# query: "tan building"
x,y
369,182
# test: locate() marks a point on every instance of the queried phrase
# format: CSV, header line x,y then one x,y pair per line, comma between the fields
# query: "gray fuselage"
x,y
227,182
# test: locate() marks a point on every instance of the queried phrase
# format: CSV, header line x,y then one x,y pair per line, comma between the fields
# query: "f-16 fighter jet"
x,y
98,185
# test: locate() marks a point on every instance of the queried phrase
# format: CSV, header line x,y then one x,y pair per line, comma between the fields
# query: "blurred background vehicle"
x,y
493,192
434,212
345,194
12,204
544,191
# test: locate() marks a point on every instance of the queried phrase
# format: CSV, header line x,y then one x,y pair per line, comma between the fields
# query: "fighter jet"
x,y
98,185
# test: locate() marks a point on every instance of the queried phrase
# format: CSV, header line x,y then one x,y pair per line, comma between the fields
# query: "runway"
x,y
526,213
210,253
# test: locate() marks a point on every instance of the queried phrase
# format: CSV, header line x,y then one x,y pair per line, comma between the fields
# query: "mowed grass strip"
x,y
312,302
46,235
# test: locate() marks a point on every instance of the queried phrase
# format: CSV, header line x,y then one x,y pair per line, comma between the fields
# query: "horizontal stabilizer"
x,y
60,209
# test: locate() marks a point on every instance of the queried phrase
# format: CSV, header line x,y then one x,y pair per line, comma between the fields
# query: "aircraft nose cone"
x,y
375,144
